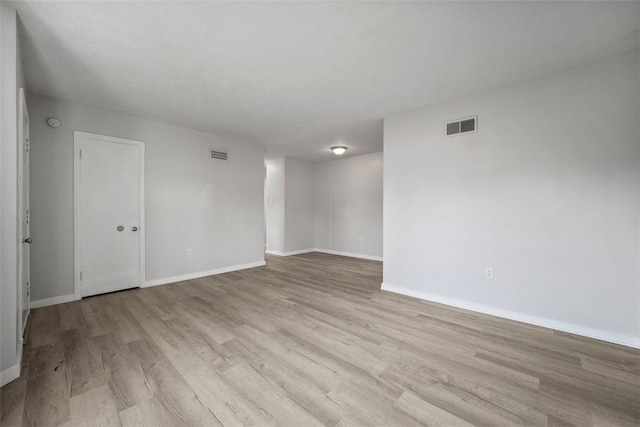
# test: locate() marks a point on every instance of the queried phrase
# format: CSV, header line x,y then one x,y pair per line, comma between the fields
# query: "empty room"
x,y
303,213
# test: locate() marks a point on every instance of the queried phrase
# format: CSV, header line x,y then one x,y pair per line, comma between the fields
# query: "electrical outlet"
x,y
488,273
189,251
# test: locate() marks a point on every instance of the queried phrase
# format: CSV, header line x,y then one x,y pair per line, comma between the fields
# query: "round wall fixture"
x,y
53,122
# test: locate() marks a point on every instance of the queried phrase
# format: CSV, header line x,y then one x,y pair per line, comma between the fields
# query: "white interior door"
x,y
109,185
24,285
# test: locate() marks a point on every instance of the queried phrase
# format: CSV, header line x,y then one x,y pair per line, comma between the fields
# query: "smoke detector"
x,y
53,122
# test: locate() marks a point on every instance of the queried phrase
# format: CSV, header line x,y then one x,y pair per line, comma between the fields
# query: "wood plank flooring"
x,y
308,340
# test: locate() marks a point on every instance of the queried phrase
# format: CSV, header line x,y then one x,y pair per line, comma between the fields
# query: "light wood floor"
x,y
307,340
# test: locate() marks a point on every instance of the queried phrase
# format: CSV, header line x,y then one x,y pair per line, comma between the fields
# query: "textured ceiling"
x,y
300,77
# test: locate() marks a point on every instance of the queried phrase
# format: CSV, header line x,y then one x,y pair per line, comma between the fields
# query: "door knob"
x,y
27,240
134,228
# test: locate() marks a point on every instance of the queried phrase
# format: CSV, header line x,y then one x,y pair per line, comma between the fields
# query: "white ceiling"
x,y
300,77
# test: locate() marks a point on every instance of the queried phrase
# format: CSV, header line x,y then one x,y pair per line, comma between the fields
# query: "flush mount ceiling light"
x,y
339,150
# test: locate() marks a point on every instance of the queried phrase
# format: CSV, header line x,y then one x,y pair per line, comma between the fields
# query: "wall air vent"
x,y
461,126
220,155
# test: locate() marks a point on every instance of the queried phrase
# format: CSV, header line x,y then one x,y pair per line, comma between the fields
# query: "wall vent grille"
x,y
461,126
220,155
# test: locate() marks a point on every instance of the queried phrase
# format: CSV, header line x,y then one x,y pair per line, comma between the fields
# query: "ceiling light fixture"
x,y
339,150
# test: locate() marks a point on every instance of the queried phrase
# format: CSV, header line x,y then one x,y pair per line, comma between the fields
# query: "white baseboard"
x,y
52,301
13,372
191,276
349,254
9,374
279,253
612,337
68,298
325,251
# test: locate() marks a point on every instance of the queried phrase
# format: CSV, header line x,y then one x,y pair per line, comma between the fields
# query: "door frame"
x,y
23,115
76,203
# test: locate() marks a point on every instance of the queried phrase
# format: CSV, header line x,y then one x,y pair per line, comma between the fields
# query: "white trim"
x,y
23,116
349,254
272,252
155,282
13,372
301,251
20,350
26,319
9,375
612,337
53,301
325,251
191,276
76,202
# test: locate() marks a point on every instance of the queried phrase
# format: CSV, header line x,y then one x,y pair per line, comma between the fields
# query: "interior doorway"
x,y
109,214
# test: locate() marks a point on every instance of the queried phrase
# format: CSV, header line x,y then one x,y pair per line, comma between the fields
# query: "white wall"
x,y
214,208
333,206
546,192
348,205
289,206
299,200
11,79
274,205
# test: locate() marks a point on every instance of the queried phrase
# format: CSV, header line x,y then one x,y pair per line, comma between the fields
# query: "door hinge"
x,y
81,154
81,276
27,217
26,146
